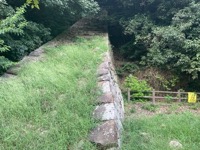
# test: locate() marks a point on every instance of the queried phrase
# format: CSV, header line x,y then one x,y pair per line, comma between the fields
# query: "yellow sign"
x,y
192,97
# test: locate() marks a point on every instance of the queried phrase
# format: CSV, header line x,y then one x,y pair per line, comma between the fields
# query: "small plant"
x,y
195,106
136,85
173,108
168,98
133,110
150,107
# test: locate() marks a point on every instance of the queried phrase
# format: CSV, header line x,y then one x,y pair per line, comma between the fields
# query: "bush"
x,y
4,64
17,51
34,36
160,79
139,86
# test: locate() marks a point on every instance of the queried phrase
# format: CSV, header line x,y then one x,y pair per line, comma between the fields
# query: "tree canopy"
x,y
165,33
161,33
26,24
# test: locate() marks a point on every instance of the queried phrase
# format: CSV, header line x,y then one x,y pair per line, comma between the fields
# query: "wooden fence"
x,y
179,96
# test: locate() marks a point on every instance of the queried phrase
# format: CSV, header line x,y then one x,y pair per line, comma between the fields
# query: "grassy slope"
x,y
49,105
155,133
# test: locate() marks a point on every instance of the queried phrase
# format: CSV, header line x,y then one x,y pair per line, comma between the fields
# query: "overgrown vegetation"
x,y
164,35
138,87
49,104
24,28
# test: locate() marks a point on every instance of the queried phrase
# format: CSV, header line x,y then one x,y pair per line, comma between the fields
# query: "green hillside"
x,y
49,104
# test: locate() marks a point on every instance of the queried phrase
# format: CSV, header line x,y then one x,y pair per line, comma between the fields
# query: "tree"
x,y
23,29
58,15
165,33
14,24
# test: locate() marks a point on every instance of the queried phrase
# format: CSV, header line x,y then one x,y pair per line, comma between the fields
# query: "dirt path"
x,y
141,109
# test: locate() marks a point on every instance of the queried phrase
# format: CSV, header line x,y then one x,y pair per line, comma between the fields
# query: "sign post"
x,y
192,97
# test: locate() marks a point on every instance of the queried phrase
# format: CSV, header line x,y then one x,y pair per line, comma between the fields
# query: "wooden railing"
x,y
179,96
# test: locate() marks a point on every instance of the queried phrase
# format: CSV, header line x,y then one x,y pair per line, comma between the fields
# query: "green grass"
x,y
155,133
150,107
49,105
194,106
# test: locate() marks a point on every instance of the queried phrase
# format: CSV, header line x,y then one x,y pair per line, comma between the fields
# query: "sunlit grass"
x,y
155,133
49,104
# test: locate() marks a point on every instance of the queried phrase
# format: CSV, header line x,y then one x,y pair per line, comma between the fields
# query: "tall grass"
x,y
155,133
48,105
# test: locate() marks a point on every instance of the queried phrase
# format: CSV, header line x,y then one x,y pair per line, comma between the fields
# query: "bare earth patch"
x,y
141,109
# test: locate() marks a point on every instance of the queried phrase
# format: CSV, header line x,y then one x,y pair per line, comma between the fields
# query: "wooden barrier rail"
x,y
154,93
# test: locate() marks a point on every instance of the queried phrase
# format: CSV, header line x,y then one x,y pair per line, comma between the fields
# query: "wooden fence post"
x,y
153,96
129,95
179,96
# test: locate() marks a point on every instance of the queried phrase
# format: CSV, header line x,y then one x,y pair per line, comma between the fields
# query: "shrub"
x,y
134,84
34,36
17,51
160,79
150,107
4,64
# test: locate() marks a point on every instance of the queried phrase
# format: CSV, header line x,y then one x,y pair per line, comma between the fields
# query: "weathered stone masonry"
x,y
110,109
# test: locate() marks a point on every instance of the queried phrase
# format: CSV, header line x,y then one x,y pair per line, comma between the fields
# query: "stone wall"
x,y
110,108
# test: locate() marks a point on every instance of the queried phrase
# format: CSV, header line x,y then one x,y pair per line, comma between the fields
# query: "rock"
x,y
175,144
163,125
104,65
104,78
13,70
105,86
105,135
105,112
6,75
102,71
145,136
113,148
28,59
78,146
106,98
37,52
107,57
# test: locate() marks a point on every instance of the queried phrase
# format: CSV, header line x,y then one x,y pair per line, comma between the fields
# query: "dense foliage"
x,y
58,14
165,33
137,86
24,28
169,35
13,23
158,33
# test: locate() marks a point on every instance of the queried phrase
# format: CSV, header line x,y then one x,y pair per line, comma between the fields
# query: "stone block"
x,y
104,65
102,71
107,58
28,59
106,77
105,135
6,75
106,98
13,70
37,52
104,86
105,112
